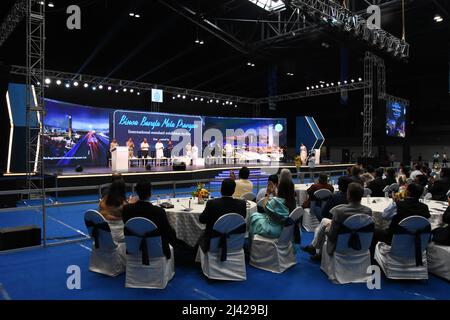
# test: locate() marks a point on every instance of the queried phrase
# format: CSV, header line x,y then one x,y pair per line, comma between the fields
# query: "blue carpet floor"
x,y
41,273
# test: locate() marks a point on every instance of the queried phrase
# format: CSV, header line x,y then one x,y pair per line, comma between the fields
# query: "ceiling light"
x,y
201,99
75,83
438,18
359,79
138,93
184,97
131,14
94,88
131,90
48,81
58,82
217,101
67,85
178,95
51,5
109,88
117,91
125,89
85,85
100,87
137,15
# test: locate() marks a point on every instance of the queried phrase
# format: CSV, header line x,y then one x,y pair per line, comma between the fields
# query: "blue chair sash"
x,y
223,239
289,222
417,240
96,227
354,241
143,245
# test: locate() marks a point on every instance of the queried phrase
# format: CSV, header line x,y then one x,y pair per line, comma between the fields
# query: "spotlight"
x,y
117,91
235,105
41,3
196,98
38,83
58,82
353,80
359,79
100,87
192,99
131,90
94,88
173,98
109,88
345,81
131,14
332,84
197,41
48,81
86,85
307,88
317,87
438,18
328,84
125,89
202,42
321,85
178,95
138,93
339,83
51,5
217,101
67,85
137,15
184,97
201,99
75,83
211,100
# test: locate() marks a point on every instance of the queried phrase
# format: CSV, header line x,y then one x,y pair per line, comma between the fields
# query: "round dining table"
x,y
378,204
184,218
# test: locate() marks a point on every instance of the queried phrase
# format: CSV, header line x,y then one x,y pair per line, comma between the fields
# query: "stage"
x,y
99,175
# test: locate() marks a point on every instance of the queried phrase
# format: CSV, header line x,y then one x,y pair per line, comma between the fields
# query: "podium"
x,y
119,159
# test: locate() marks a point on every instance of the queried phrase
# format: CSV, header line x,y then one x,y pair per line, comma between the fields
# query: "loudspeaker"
x,y
148,167
79,168
19,237
179,166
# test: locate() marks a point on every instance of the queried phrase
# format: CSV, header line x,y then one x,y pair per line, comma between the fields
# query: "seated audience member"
x,y
421,179
114,177
439,188
426,170
339,197
441,235
270,223
216,208
273,179
390,177
330,227
404,174
143,208
377,185
243,185
416,171
369,175
322,183
112,203
401,209
356,175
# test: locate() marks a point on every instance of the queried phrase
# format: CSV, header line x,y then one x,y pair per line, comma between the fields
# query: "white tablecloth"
x,y
186,223
437,209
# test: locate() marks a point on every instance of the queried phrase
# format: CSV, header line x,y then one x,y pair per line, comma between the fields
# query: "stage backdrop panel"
x,y
75,135
308,133
154,126
395,119
269,131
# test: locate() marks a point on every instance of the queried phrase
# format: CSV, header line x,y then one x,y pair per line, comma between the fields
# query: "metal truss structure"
x,y
14,17
67,77
338,16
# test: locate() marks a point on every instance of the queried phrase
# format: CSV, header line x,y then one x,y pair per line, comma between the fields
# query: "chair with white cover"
x,y
310,217
250,196
107,256
277,255
448,193
225,258
351,258
150,259
438,258
367,192
406,257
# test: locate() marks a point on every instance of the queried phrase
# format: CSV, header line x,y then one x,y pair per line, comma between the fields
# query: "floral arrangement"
x,y
401,194
201,192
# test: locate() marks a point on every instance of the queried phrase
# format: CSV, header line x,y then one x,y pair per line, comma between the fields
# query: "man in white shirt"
x,y
144,150
159,147
416,172
194,154
229,153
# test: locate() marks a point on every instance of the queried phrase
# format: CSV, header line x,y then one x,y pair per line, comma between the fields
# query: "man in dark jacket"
x,y
218,207
439,188
377,185
339,197
143,208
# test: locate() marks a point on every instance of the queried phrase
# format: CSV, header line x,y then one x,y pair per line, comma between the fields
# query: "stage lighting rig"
x,y
270,5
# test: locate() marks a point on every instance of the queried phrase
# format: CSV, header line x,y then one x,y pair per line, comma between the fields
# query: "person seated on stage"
x,y
355,175
369,175
439,188
143,208
322,183
130,145
377,185
441,235
111,204
330,227
273,180
401,209
390,177
216,208
337,198
243,185
270,223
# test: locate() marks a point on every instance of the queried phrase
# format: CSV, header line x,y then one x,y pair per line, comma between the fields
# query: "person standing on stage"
x,y
303,154
169,149
444,160
229,150
194,153
130,145
159,147
113,145
144,150
189,152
